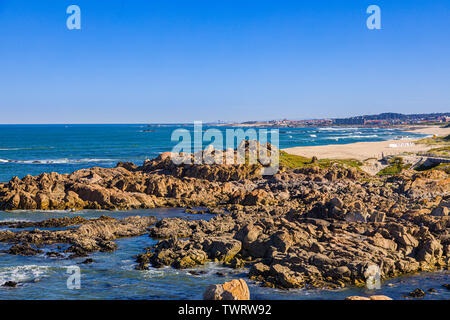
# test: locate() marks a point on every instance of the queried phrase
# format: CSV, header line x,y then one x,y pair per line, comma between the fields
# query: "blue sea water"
x,y
33,149
113,275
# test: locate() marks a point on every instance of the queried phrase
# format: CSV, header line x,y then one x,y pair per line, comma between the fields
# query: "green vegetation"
x,y
442,166
396,166
294,162
326,163
433,140
441,151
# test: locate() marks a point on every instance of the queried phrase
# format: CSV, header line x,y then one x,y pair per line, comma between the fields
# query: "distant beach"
x,y
372,149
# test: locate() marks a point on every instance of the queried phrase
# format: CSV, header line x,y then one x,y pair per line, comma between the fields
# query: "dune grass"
x,y
396,166
294,162
434,140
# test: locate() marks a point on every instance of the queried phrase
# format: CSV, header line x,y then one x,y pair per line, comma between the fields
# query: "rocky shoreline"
x,y
313,227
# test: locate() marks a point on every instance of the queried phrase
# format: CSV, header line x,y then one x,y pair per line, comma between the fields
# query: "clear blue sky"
x,y
180,61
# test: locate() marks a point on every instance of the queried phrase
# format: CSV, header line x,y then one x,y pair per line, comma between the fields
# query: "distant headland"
x,y
379,120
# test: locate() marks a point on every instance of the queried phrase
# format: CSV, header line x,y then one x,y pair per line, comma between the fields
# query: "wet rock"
x,y
23,250
197,273
53,254
221,248
10,284
236,289
88,261
95,235
417,293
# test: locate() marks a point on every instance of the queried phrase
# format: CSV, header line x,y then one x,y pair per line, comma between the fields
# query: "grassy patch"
x,y
396,166
441,151
433,140
442,166
326,163
294,162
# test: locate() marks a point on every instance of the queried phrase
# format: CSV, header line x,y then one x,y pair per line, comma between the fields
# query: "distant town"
x,y
379,120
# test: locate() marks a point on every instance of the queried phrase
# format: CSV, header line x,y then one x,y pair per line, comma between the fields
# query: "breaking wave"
x,y
352,137
337,129
22,273
56,161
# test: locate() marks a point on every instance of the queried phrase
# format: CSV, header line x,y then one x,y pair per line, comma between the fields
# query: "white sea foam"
x,y
157,272
56,161
337,129
313,136
14,220
22,273
352,137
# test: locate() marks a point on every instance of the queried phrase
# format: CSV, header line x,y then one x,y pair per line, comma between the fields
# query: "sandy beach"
x,y
366,150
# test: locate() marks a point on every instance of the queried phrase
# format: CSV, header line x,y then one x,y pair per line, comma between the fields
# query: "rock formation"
x,y
319,227
236,289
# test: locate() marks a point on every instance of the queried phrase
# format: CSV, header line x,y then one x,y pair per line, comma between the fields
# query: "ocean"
x,y
33,149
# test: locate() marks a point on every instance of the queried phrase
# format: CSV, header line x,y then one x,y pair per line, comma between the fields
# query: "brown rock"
x,y
357,298
380,297
236,289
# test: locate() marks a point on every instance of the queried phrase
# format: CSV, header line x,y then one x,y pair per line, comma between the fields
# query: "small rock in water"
x,y
53,254
418,293
87,261
446,286
23,250
431,290
236,289
10,284
197,273
220,274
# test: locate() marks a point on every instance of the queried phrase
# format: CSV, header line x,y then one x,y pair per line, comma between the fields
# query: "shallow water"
x,y
113,275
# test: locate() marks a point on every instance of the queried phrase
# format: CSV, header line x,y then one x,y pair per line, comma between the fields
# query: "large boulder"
x,y
236,289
